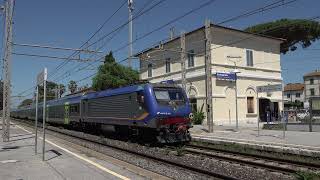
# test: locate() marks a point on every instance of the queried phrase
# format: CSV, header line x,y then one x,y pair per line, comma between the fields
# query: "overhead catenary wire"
x,y
51,57
166,24
275,5
91,37
233,19
94,34
250,37
123,25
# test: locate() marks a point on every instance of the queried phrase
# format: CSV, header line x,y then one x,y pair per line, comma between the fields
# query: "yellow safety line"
x,y
82,158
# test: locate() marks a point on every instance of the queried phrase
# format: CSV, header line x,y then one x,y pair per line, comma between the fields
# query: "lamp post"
x,y
235,71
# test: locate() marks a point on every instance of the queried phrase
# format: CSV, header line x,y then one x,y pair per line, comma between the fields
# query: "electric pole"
x,y
8,9
208,75
183,60
130,6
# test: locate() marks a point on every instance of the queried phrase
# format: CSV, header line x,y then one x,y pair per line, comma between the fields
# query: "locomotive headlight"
x,y
191,115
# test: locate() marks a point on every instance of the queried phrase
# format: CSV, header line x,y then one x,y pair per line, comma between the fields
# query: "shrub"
x,y
198,116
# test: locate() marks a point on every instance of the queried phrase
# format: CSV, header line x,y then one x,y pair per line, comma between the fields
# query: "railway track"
x,y
67,135
271,163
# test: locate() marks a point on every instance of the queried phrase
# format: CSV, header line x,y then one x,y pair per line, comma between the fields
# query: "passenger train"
x,y
160,111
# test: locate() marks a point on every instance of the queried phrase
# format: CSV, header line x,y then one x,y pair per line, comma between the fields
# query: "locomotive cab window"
x,y
165,95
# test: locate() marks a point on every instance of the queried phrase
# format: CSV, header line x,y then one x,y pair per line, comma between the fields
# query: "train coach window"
x,y
74,108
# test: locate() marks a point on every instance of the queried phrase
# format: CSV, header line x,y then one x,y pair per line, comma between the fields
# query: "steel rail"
x,y
271,163
140,154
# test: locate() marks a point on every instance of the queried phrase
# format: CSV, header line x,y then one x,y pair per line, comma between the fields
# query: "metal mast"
x,y
208,75
7,69
130,6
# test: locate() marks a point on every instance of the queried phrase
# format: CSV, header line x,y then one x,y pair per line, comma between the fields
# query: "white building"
x,y
293,94
258,62
312,84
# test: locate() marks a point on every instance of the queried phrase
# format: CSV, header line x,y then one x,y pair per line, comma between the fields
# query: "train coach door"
x,y
66,113
84,104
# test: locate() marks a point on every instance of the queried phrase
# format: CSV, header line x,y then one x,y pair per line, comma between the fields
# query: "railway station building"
x,y
255,59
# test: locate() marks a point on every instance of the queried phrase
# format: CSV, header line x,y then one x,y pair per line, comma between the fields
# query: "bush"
x,y
198,116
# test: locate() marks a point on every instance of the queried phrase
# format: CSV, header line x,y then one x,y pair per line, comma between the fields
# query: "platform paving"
x,y
293,140
19,162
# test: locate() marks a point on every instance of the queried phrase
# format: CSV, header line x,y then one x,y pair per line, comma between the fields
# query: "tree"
x,y
25,102
51,90
72,86
113,75
294,31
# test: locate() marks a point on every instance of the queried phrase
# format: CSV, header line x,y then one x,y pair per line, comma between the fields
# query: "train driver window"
x,y
140,98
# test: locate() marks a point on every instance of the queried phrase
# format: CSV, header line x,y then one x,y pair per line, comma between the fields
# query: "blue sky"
x,y
70,23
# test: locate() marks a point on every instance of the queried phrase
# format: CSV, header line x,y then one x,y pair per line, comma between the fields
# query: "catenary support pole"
x,y
236,96
183,60
283,119
130,6
7,70
44,113
258,113
36,122
208,75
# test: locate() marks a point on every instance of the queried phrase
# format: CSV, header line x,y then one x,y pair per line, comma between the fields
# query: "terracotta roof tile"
x,y
294,87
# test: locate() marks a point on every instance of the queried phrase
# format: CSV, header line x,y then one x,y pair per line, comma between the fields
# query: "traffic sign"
x,y
269,88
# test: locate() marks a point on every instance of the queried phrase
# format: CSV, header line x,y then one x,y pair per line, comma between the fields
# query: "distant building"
x,y
293,95
258,60
312,85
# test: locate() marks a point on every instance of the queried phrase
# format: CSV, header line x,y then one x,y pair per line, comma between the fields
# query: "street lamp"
x,y
235,71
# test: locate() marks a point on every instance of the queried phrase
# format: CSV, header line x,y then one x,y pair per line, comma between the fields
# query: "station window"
x,y
149,70
249,55
311,81
193,103
191,58
168,65
250,105
297,95
288,95
311,92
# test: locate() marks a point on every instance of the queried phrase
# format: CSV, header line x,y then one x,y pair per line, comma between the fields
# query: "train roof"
x,y
109,92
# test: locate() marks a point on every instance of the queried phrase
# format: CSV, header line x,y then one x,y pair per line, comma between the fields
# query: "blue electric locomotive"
x,y
159,110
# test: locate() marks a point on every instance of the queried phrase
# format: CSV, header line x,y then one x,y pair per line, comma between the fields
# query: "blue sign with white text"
x,y
226,76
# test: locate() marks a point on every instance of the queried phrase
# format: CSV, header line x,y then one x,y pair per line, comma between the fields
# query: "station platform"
x,y
294,142
62,161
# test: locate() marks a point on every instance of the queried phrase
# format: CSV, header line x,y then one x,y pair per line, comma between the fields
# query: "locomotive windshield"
x,y
165,95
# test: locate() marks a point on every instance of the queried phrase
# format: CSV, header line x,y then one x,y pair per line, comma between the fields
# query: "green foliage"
x,y
303,175
25,102
51,90
181,150
294,31
72,86
198,116
113,75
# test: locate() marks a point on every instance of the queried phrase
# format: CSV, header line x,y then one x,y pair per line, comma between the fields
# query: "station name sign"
x,y
269,88
226,76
